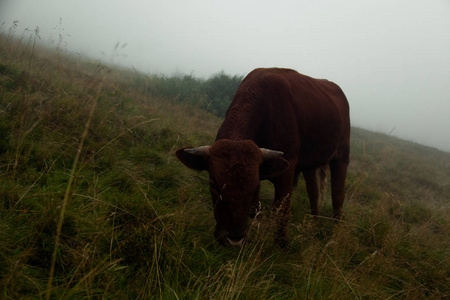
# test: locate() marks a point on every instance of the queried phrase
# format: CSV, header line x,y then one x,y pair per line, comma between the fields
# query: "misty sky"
x,y
391,58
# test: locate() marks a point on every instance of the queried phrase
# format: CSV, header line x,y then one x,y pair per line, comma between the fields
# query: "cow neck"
x,y
240,123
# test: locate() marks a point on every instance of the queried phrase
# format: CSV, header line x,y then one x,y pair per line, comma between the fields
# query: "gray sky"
x,y
391,58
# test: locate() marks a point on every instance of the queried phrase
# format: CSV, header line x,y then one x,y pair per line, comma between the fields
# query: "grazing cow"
x,y
303,121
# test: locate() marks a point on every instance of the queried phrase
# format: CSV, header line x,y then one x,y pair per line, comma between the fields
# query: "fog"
x,y
391,58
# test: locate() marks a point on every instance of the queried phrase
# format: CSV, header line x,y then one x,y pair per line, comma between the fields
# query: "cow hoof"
x,y
283,243
337,218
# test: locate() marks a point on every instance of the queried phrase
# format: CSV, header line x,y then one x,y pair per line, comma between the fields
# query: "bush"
x,y
214,94
219,90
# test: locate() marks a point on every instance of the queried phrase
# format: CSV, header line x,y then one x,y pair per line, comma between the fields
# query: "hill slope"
x,y
87,168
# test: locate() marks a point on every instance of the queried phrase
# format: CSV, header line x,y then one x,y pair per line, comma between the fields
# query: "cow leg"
x,y
338,171
312,188
282,205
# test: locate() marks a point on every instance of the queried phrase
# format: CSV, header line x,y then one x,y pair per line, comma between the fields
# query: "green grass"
x,y
138,224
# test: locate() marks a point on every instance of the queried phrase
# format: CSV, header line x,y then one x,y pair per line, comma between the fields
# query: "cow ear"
x,y
272,167
192,161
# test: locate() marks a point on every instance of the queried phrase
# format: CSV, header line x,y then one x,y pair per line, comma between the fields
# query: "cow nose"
x,y
236,240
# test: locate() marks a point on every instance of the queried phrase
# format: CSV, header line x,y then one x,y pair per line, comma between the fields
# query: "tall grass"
x,y
94,204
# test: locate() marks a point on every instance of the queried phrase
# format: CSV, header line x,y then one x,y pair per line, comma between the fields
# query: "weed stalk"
x,y
67,195
36,35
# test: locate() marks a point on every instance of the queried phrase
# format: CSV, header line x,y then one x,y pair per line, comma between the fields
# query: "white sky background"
x,y
391,58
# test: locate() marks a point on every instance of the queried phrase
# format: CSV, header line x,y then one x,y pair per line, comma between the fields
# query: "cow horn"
x,y
266,153
201,151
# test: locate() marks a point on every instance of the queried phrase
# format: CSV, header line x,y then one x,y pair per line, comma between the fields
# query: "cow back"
x,y
281,109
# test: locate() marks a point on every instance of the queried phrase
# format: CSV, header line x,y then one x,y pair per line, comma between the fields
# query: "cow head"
x,y
235,169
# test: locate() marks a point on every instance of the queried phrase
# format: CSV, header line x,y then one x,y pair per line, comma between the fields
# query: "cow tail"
x,y
322,174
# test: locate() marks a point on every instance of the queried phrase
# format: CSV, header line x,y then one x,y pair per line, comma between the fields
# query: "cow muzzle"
x,y
236,241
230,240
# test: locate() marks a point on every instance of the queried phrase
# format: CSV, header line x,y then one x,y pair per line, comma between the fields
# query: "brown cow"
x,y
305,121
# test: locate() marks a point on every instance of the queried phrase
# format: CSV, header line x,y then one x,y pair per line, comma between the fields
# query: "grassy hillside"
x,y
94,204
